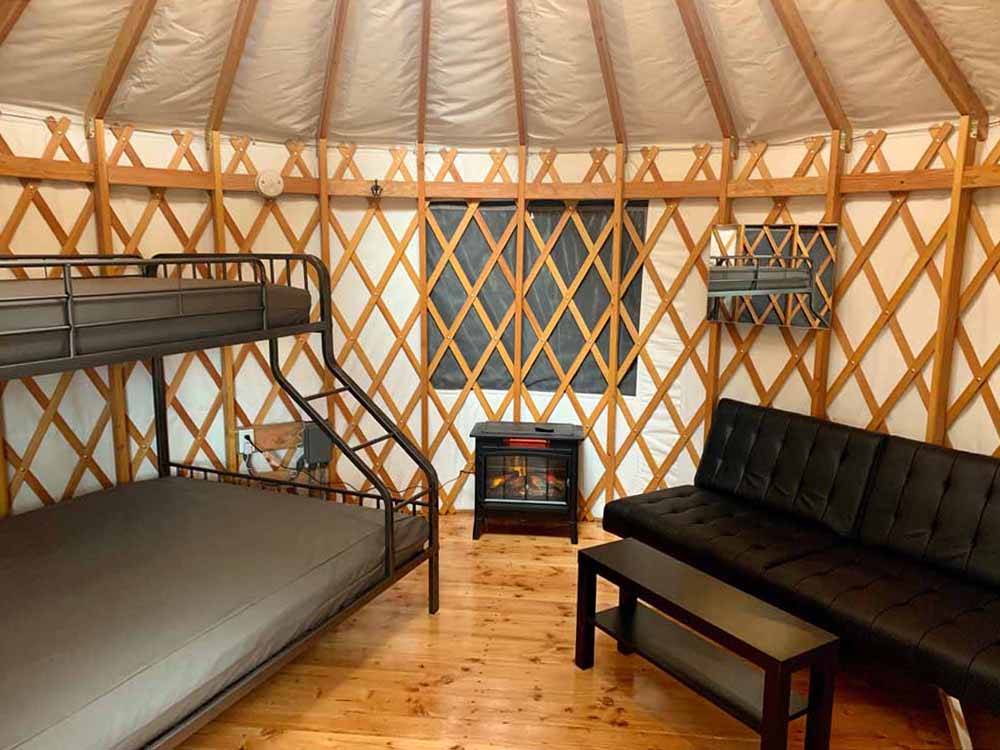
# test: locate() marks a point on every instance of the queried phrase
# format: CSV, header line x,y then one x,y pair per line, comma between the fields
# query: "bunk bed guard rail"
x,y
264,271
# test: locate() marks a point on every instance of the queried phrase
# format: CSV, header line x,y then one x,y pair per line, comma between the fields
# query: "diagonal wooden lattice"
x,y
541,406
351,422
252,355
472,216
663,375
138,240
797,343
922,265
982,365
64,242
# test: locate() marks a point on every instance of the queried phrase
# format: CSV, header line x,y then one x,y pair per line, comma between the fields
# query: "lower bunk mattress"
x,y
122,312
126,609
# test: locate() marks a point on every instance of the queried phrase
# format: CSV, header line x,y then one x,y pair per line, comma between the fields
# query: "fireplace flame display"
x,y
524,478
527,472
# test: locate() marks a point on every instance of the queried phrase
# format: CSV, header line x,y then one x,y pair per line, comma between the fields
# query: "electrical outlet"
x,y
243,439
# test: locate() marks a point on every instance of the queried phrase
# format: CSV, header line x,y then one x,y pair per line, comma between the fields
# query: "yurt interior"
x,y
499,374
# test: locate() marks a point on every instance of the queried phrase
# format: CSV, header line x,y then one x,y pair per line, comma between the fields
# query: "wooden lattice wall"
x,y
897,197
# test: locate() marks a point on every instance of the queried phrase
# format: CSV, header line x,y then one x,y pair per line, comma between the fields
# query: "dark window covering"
x,y
569,254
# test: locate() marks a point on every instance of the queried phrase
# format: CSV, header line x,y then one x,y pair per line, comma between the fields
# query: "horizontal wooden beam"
x,y
939,59
32,168
673,189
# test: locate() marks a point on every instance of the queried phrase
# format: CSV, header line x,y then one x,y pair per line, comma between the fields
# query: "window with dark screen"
x,y
567,295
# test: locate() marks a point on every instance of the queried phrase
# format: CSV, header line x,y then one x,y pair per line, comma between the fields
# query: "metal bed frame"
x,y
260,270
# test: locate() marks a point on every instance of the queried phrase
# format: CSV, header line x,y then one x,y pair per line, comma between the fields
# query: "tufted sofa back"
x,y
938,505
814,469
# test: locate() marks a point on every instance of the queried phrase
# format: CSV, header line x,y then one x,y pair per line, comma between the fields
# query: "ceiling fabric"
x,y
55,54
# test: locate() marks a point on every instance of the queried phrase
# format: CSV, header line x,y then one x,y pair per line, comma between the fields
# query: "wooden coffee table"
x,y
730,647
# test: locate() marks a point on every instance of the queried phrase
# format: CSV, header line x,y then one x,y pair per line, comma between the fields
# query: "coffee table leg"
x,y
626,605
774,722
820,718
586,607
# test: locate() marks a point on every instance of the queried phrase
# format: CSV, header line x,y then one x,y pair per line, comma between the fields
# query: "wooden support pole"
x,y
332,66
231,62
10,12
517,71
832,215
228,386
5,498
918,27
425,50
425,292
607,69
725,216
961,739
119,59
116,373
815,72
951,287
521,218
709,72
616,280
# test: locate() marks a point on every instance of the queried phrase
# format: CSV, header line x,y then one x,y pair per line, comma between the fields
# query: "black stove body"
x,y
528,472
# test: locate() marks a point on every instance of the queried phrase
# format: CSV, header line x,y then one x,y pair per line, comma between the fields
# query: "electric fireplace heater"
x,y
526,472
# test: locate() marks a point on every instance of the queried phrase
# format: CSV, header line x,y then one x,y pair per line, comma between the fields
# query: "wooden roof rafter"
x,y
607,68
425,50
819,79
942,64
231,63
332,65
118,60
517,71
709,72
10,13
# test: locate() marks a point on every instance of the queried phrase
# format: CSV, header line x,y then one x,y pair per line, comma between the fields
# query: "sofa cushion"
x,y
808,467
700,525
937,505
946,628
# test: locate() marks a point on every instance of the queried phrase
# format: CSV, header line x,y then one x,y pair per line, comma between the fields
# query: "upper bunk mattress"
x,y
211,308
126,609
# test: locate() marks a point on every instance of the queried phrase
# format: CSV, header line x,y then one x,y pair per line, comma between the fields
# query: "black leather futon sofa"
x,y
889,542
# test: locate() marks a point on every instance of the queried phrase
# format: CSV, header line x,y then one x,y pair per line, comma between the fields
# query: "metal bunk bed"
x,y
164,290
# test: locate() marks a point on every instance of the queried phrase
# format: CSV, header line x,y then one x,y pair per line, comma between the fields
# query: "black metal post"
x,y
160,414
351,455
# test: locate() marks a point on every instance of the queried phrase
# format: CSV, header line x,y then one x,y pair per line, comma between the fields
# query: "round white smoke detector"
x,y
270,183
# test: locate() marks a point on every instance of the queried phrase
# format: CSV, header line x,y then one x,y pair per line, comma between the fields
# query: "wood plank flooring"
x,y
493,670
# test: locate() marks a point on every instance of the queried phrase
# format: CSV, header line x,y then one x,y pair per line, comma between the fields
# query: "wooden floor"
x,y
494,670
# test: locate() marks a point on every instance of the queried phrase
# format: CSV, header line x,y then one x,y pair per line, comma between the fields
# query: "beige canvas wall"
x,y
891,255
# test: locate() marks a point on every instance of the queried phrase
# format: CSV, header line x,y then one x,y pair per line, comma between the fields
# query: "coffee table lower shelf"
x,y
732,683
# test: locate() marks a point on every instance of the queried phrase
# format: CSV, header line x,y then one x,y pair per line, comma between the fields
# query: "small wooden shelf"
x,y
730,682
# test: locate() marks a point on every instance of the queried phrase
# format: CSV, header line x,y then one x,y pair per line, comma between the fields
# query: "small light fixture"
x,y
376,190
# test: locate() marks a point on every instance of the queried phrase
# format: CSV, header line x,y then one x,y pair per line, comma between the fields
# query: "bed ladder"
x,y
427,497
